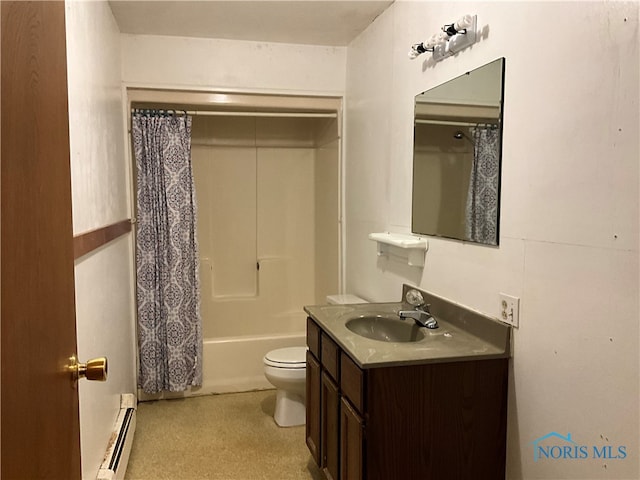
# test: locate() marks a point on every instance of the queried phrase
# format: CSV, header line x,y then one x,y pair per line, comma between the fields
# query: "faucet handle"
x,y
414,298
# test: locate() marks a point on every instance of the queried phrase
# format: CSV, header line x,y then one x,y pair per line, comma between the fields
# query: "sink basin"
x,y
386,328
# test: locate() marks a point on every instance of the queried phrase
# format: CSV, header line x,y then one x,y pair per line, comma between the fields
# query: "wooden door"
x,y
39,401
351,442
330,436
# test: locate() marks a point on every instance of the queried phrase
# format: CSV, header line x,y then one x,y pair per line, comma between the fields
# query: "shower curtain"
x,y
168,300
482,197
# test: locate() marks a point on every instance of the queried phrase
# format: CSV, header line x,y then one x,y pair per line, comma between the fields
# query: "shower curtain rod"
x,y
245,114
459,124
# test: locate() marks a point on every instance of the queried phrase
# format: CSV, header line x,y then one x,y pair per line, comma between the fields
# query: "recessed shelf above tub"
x,y
406,246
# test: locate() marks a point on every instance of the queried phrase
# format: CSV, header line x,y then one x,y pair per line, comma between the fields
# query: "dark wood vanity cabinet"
x,y
438,421
312,425
351,441
329,432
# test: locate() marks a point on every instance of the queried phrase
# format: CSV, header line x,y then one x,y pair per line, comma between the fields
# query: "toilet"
x,y
286,369
344,299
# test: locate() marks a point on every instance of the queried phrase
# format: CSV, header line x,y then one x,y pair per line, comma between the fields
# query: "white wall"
x,y
104,299
213,64
569,210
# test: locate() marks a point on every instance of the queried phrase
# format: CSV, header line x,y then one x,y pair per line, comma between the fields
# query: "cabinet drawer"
x,y
313,337
352,382
330,357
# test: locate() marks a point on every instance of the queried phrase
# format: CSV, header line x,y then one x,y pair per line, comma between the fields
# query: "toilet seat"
x,y
290,357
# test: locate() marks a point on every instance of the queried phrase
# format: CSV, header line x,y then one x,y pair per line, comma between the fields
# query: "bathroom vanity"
x,y
431,406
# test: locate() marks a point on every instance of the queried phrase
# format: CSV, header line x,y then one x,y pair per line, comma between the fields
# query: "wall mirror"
x,y
457,146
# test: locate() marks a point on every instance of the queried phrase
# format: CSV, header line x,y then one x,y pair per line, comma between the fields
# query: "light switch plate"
x,y
510,309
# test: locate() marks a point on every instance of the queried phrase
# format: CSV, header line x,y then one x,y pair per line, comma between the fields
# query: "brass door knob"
x,y
94,369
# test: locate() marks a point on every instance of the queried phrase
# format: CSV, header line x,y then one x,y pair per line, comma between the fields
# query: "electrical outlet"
x,y
509,309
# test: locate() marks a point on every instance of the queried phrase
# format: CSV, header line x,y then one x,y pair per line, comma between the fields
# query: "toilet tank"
x,y
344,299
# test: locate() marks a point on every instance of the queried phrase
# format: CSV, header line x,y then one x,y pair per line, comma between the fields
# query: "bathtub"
x,y
233,364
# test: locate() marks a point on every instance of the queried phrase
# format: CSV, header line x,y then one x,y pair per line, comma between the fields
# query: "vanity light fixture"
x,y
451,39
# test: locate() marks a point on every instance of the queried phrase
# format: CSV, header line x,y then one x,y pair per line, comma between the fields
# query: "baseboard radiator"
x,y
115,460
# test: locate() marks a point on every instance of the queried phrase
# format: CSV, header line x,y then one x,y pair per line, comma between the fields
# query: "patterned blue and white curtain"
x,y
482,197
168,293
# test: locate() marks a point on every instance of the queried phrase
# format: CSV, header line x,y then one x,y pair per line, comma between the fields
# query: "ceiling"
x,y
311,22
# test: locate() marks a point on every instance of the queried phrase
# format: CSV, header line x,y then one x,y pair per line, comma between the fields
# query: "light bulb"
x,y
442,37
432,42
463,22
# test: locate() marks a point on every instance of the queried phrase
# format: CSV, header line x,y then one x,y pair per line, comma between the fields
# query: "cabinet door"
x,y
330,436
351,442
312,426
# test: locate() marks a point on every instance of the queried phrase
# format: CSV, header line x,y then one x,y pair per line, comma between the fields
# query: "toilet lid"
x,y
290,357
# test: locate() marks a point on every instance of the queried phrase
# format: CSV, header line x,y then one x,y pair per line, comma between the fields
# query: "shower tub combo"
x,y
268,234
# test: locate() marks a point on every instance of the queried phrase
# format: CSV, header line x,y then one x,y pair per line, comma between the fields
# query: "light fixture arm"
x,y
418,49
450,30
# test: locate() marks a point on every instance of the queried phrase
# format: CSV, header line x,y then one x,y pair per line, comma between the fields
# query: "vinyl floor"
x,y
225,437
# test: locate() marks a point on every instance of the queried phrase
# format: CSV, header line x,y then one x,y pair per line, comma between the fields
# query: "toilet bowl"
x,y
286,369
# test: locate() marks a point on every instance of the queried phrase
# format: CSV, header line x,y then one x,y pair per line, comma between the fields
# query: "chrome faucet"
x,y
421,314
